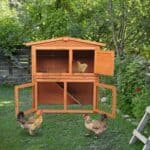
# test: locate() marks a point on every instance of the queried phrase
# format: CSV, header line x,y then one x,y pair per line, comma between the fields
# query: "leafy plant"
x,y
10,29
140,102
11,35
132,81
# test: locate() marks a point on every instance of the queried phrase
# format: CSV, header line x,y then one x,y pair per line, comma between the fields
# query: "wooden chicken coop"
x,y
65,71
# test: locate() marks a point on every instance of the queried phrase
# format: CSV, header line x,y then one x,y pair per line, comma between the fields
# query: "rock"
x,y
104,99
148,74
125,116
129,119
135,123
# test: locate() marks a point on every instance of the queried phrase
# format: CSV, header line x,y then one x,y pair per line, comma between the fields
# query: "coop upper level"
x,y
71,56
65,42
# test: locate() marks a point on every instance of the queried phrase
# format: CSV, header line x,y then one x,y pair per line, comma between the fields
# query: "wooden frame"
x,y
113,89
71,45
17,88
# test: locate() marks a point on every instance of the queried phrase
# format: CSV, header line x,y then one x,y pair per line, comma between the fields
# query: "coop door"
x,y
104,62
25,98
106,99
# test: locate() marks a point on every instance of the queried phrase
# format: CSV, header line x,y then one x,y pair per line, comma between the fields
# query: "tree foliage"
x,y
122,24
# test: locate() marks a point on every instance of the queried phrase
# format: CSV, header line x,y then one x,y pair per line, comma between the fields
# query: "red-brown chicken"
x,y
31,123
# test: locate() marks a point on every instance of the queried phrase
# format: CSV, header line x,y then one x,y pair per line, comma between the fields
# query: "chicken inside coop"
x,y
83,61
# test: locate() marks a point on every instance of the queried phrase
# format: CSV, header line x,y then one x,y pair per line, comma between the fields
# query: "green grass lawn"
x,y
59,131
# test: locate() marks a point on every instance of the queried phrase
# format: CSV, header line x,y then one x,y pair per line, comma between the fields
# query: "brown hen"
x,y
96,126
31,123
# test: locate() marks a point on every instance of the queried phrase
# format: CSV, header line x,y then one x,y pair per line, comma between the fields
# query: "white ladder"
x,y
137,132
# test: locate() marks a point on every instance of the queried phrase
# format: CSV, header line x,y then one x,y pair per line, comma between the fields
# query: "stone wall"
x,y
17,68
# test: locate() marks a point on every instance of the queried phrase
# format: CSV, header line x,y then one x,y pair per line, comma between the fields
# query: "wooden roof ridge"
x,y
65,38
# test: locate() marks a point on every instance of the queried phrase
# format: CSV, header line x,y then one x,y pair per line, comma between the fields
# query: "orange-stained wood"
x,y
66,41
104,62
16,100
24,85
33,62
36,96
17,87
70,61
56,78
66,111
65,95
94,96
62,48
113,89
33,97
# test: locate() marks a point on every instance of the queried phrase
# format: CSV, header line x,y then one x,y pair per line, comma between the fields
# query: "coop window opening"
x,y
50,95
83,61
52,61
80,95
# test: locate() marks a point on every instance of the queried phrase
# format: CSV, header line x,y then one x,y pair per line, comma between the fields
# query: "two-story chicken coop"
x,y
65,71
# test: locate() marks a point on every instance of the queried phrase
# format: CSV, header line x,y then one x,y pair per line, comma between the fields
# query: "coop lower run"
x,y
57,81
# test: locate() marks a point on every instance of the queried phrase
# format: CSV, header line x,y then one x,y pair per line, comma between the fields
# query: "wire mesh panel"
x,y
25,99
104,97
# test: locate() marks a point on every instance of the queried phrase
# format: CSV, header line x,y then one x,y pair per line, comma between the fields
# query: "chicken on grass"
x,y
96,126
31,123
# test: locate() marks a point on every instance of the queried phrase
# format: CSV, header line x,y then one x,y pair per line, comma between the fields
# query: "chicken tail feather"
x,y
103,117
21,117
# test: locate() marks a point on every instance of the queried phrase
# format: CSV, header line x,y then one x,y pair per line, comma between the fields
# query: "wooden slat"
x,y
63,48
62,80
36,95
16,100
65,39
70,61
79,111
140,136
66,111
25,85
65,95
94,96
33,97
33,62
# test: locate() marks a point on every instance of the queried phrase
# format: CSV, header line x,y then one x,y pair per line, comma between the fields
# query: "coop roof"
x,y
65,39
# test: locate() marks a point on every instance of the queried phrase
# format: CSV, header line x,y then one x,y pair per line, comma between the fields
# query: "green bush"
x,y
140,102
130,80
10,36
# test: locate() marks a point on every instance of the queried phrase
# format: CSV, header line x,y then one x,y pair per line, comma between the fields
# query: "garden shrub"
x,y
140,102
11,35
130,81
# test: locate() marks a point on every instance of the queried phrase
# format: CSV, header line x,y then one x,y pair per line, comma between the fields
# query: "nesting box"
x,y
65,71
